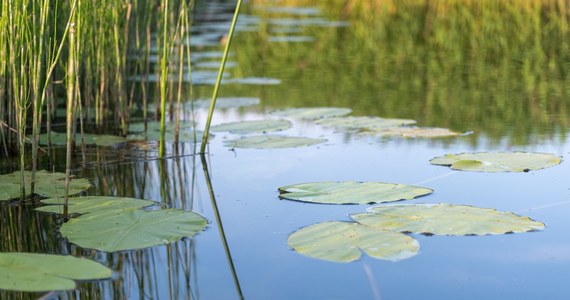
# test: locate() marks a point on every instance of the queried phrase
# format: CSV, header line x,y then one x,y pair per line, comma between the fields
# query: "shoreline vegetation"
x,y
80,54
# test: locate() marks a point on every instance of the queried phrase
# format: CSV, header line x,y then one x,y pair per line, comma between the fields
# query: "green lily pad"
x,y
60,139
155,126
132,229
445,219
183,136
32,272
93,205
364,123
412,132
351,192
272,142
47,184
260,126
227,102
312,113
344,241
256,81
497,161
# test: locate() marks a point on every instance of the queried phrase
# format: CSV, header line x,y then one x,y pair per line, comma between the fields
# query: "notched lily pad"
x,y
351,192
104,140
272,142
344,241
364,123
47,184
132,229
313,113
259,126
412,132
497,161
445,219
32,272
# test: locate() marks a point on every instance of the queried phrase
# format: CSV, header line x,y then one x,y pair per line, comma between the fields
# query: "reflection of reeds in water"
x,y
488,66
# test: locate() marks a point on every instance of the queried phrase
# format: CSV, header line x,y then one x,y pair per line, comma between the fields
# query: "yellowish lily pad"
x,y
345,241
497,161
445,219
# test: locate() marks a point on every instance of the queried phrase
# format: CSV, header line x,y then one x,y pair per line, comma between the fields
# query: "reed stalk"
x,y
219,78
71,93
163,78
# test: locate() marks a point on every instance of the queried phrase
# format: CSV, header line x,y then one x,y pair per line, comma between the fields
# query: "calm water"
x,y
511,100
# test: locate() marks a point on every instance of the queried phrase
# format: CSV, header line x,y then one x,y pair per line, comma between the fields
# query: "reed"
x,y
219,78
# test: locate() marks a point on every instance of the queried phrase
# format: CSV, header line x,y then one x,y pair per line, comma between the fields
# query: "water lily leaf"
x,y
497,161
155,126
260,126
412,132
227,102
364,123
186,133
47,184
93,205
32,272
351,192
291,39
271,142
60,139
343,242
445,219
256,81
313,113
132,229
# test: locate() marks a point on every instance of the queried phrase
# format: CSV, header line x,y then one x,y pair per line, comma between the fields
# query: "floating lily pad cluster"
x,y
116,224
383,231
365,125
46,184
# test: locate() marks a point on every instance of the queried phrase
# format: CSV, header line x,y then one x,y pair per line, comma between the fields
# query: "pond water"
x,y
509,91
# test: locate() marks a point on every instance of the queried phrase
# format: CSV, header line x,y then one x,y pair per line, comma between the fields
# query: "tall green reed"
x,y
219,78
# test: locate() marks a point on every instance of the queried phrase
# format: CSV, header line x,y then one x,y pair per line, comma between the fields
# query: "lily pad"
x,y
272,142
344,241
260,126
364,123
313,113
412,132
186,133
155,126
256,81
351,192
104,140
215,64
47,184
132,229
227,102
497,161
93,205
445,219
291,39
32,272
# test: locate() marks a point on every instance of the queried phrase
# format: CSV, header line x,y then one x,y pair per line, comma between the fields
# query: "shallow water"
x,y
508,108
